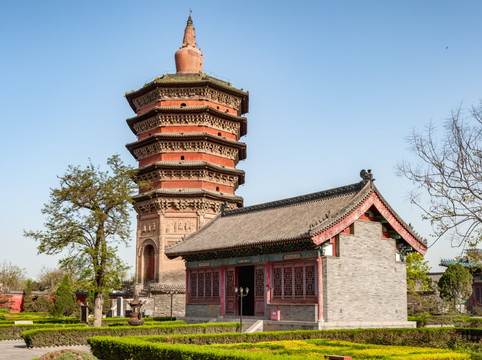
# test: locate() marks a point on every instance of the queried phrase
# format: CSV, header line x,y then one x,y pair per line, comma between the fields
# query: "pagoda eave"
x,y
188,110
202,81
188,193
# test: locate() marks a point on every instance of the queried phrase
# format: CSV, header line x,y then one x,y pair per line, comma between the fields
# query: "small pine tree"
x,y
27,300
64,298
455,285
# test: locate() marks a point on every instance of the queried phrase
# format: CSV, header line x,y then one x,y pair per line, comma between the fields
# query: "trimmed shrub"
x,y
14,332
138,348
42,304
78,336
64,298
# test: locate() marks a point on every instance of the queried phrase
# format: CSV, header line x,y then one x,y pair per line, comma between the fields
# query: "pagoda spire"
x,y
189,58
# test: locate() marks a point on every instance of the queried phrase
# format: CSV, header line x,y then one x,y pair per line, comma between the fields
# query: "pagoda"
x,y
188,126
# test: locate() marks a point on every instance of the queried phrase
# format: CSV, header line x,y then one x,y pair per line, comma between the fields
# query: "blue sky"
x,y
335,86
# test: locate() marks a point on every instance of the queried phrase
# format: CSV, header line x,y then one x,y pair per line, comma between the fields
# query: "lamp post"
x,y
172,293
241,293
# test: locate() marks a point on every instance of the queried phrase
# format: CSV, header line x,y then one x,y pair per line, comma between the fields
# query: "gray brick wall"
x,y
365,282
294,312
207,311
160,304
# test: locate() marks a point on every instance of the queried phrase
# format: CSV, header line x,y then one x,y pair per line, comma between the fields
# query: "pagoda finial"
x,y
189,58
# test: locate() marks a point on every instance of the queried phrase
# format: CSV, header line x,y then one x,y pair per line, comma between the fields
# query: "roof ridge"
x,y
297,199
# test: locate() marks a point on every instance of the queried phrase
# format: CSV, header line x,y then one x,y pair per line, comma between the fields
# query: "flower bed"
x,y
139,348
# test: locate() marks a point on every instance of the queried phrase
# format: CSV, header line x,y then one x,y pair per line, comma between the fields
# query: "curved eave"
x,y
244,95
240,146
333,226
192,165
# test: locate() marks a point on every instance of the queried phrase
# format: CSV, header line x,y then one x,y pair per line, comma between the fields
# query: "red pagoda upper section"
x,y
188,127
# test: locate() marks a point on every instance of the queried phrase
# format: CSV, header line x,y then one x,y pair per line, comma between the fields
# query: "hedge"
x,y
446,338
137,348
447,320
442,338
14,332
78,336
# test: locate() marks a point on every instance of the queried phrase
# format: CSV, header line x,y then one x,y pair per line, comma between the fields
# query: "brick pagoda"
x,y
188,127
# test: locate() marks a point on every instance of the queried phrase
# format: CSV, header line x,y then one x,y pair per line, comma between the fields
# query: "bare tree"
x,y
11,277
449,171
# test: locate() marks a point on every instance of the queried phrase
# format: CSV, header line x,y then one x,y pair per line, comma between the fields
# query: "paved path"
x,y
17,350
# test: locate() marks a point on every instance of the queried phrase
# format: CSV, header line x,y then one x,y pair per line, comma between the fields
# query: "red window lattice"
x,y
204,285
259,279
292,281
208,287
310,280
200,285
215,284
193,284
230,283
299,281
288,281
277,282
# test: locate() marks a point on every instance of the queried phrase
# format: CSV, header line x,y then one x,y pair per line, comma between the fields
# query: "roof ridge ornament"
x,y
366,176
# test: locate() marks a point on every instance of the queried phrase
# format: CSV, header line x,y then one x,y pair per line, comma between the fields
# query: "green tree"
x,y
455,285
64,298
86,217
27,300
449,176
43,304
417,269
419,285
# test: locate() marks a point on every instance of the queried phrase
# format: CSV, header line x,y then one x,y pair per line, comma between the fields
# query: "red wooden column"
x,y
320,288
188,292
221,292
267,276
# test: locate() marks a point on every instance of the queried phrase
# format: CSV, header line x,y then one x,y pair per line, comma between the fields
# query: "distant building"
x,y
474,303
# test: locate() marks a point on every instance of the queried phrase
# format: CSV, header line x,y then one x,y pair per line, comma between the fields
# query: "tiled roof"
x,y
279,221
463,262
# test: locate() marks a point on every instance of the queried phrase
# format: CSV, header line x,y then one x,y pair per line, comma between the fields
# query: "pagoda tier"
x,y
194,118
190,90
188,147
191,174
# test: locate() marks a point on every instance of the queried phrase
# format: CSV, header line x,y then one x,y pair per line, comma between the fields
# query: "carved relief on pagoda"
x,y
185,146
180,226
187,119
194,93
173,204
148,227
201,175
